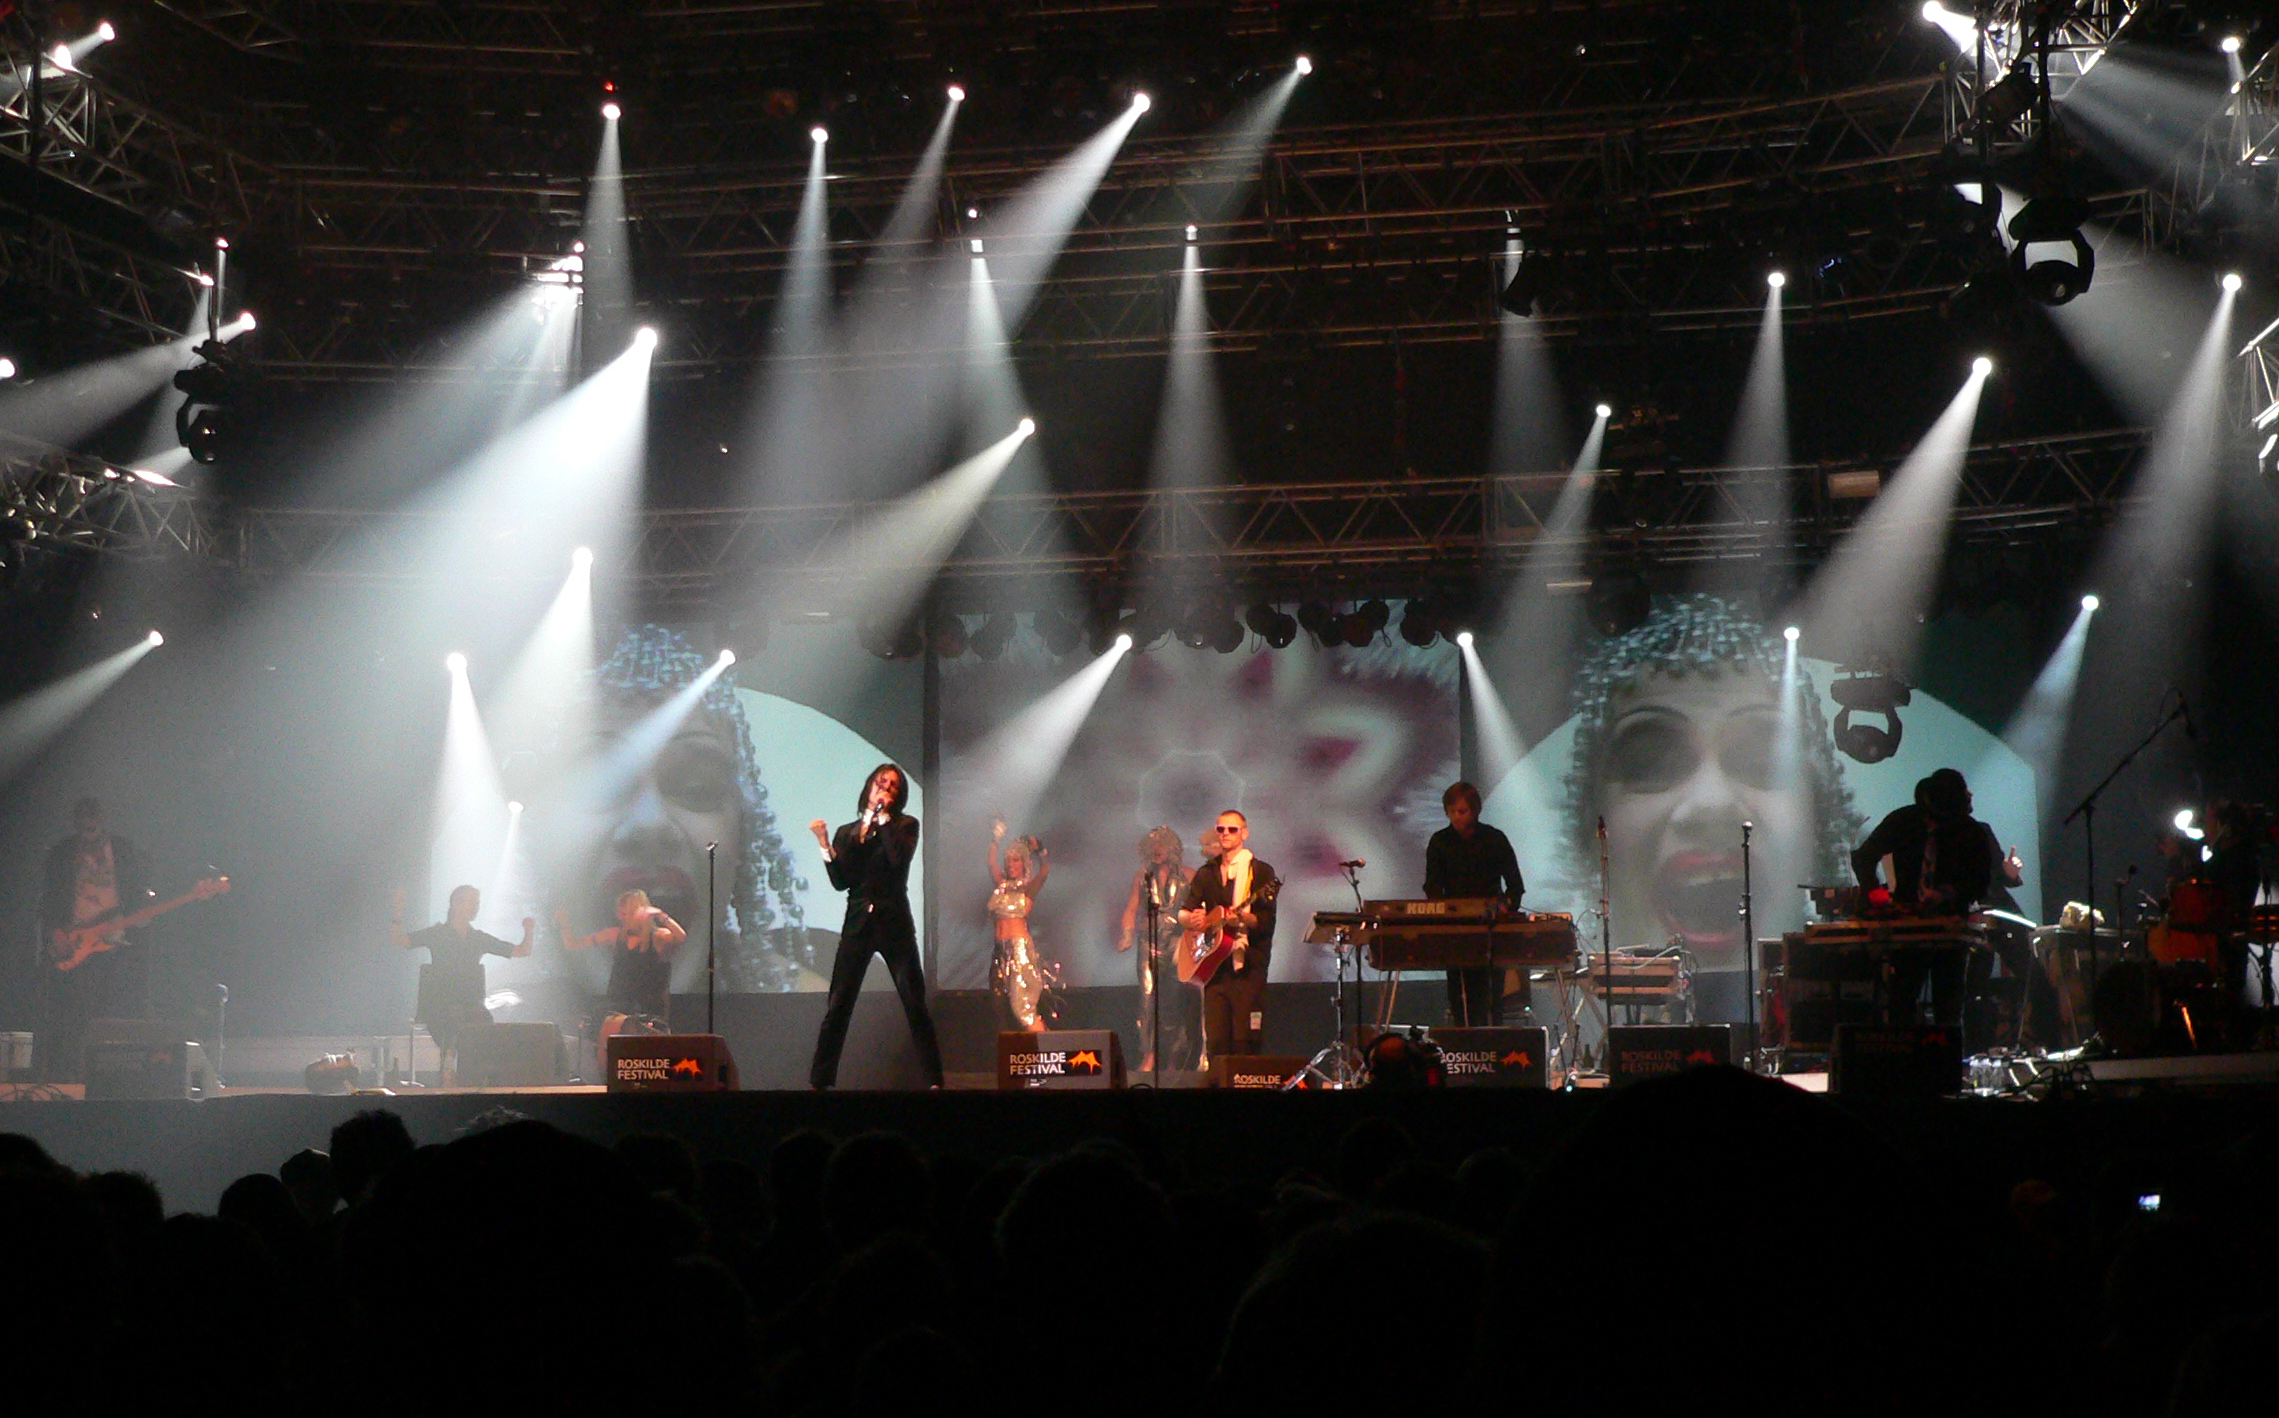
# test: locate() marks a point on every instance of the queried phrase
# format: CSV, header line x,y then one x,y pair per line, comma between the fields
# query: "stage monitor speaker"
x,y
1896,1061
1270,1071
1494,1057
144,1058
520,1055
1060,1058
670,1063
1636,1051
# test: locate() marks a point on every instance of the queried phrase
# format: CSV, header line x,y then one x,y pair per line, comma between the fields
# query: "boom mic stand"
x,y
1749,946
2086,810
1338,1064
711,924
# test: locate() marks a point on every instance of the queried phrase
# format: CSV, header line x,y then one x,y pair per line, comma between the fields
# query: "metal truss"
x,y
1245,539
52,500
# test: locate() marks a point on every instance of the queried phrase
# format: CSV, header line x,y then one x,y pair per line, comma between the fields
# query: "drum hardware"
x,y
2086,810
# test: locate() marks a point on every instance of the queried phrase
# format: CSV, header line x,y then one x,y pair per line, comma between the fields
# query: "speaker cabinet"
x,y
1060,1058
1636,1051
1255,1070
1896,1061
670,1063
1495,1057
520,1055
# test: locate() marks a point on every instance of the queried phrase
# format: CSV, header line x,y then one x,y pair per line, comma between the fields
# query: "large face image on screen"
x,y
1693,724
1332,754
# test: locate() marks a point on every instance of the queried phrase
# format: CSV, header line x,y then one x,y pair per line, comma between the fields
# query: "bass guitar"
x,y
1203,949
69,948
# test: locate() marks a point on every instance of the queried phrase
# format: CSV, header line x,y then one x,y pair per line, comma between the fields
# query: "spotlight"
x,y
611,111
995,634
1026,427
582,558
2052,221
221,243
727,657
1982,366
973,214
7,368
1869,692
819,133
646,337
205,280
455,662
1605,411
976,245
577,248
1792,635
1305,65
946,633
154,639
2229,46
1123,641
1464,639
1142,102
105,33
1059,631
2232,282
1777,279
2183,819
245,318
1191,237
1417,625
957,93
61,54
2090,603
514,807
1277,628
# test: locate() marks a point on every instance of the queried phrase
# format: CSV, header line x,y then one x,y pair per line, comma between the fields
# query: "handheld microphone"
x,y
1355,865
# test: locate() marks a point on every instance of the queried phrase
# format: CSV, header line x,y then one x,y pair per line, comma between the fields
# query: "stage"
x,y
1979,1146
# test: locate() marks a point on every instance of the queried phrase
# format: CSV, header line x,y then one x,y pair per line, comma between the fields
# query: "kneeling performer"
x,y
1241,888
869,859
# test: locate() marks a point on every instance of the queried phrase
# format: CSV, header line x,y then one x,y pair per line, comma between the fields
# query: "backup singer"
x,y
641,945
1470,858
1020,969
869,859
1942,864
1161,879
452,993
1234,1002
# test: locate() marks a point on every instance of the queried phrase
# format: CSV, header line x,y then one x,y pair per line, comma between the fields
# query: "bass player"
x,y
93,873
1234,893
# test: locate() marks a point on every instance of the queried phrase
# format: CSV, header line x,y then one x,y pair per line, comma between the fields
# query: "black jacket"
x,y
1963,847
875,874
1209,887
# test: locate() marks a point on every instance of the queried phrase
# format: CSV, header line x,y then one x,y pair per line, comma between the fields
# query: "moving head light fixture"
x,y
1871,690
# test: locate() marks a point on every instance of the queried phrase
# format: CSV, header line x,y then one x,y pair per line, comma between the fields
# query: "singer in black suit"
x,y
869,859
1234,1002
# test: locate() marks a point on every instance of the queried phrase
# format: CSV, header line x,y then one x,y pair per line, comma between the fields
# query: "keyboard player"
x,y
1942,864
1470,858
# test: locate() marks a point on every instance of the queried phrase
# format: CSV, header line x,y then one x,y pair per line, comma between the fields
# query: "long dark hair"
x,y
901,789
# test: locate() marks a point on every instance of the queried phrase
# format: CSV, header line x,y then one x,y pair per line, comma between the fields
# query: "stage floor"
x,y
195,1149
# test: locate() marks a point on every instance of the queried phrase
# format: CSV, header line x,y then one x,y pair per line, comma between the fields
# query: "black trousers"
x,y
1909,968
899,949
1474,997
1234,1010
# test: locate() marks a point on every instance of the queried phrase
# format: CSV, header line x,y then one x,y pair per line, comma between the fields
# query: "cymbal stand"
x,y
1749,949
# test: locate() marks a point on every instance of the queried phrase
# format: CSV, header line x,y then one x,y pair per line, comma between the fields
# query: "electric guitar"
x,y
69,947
1203,949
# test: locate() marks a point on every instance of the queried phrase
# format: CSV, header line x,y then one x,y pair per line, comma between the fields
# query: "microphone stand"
x,y
711,924
1606,956
1155,978
1749,945
2086,810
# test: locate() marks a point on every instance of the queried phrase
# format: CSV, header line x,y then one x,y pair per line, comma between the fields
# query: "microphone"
x,y
1355,865
2184,707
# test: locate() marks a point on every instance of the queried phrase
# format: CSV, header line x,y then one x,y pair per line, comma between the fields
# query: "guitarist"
x,y
93,872
1234,999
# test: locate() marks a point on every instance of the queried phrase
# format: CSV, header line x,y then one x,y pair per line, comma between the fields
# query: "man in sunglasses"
x,y
1234,999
